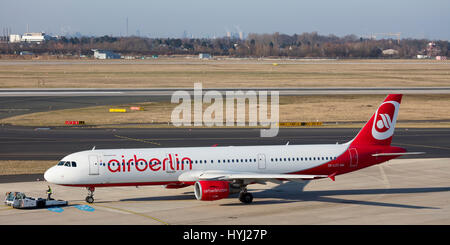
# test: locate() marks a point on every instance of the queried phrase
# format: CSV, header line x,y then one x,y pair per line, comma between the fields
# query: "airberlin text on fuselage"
x,y
172,162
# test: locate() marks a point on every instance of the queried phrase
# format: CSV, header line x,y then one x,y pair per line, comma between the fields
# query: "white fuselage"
x,y
116,167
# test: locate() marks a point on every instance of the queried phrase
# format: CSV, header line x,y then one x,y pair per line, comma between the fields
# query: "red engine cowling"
x,y
208,190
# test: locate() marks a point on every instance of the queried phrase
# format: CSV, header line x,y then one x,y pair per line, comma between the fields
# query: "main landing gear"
x,y
245,197
90,197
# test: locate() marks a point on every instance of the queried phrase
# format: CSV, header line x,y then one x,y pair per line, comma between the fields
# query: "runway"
x,y
283,91
29,143
19,105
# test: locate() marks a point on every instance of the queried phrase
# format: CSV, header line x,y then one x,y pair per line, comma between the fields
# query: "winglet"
x,y
331,176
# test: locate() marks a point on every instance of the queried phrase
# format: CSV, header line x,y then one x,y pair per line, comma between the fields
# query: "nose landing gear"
x,y
90,197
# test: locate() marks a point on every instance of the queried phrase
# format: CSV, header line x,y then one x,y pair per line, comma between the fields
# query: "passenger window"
x,y
74,164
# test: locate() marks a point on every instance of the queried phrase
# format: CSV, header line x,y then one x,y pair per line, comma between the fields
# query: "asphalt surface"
x,y
398,192
18,105
102,92
27,143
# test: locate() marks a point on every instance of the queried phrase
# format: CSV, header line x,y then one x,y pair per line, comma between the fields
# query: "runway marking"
x,y
140,140
135,213
85,208
384,176
56,210
426,146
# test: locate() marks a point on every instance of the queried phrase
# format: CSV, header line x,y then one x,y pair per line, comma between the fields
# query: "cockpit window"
x,y
67,164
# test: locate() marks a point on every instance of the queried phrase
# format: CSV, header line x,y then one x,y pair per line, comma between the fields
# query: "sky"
x,y
208,18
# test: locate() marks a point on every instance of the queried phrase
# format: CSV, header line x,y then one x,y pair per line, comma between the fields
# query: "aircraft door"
x,y
93,165
353,157
261,161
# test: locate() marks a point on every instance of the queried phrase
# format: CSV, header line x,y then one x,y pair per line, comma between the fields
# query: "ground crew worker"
x,y
49,193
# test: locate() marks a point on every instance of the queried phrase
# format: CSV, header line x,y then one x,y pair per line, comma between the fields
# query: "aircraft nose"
x,y
49,175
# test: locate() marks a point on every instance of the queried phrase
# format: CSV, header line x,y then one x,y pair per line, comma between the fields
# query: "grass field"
x,y
182,72
329,108
10,167
231,73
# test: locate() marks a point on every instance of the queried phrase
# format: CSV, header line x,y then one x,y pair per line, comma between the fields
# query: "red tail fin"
x,y
380,128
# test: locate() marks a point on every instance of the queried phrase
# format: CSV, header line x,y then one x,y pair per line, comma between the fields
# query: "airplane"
x,y
216,172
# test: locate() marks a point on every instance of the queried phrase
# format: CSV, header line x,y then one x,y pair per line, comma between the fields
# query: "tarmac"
x,y
53,143
168,92
399,192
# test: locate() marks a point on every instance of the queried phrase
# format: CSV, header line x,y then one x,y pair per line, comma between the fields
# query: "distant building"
x,y
204,56
34,37
422,56
441,57
105,54
15,38
26,53
390,52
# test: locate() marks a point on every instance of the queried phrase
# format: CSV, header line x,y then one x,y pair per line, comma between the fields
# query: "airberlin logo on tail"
x,y
385,119
385,122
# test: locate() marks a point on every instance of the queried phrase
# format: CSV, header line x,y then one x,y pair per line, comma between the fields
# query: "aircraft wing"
x,y
246,176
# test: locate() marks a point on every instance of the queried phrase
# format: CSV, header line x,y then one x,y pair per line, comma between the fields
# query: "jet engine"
x,y
209,190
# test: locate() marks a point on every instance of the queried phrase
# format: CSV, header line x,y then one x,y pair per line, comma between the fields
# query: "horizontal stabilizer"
x,y
397,154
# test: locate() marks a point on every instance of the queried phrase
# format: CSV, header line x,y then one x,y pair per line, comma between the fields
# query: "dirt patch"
x,y
225,74
15,167
330,108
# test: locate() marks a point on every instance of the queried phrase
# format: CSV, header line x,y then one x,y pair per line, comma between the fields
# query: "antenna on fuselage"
x,y
287,143
93,148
